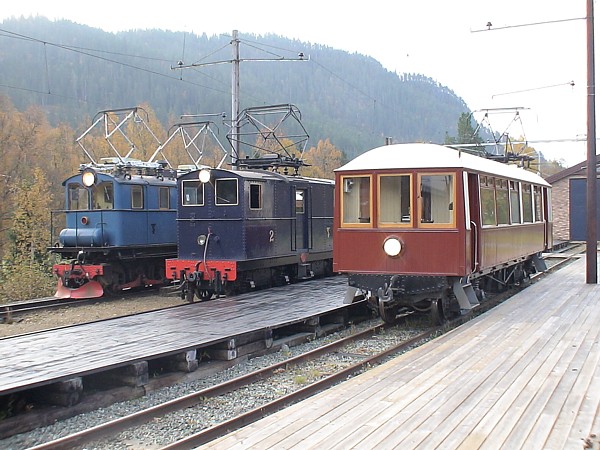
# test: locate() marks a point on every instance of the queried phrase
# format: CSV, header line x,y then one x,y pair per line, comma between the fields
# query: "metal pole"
x,y
592,221
235,96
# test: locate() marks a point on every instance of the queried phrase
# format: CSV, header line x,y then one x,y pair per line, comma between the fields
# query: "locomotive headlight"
x,y
392,246
204,175
201,240
88,177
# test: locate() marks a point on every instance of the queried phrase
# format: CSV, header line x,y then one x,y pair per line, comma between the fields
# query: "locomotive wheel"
x,y
205,294
189,292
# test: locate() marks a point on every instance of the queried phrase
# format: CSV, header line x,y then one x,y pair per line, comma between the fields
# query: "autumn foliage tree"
x,y
323,160
26,267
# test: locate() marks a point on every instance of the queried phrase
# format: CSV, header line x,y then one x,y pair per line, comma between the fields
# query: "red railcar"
x,y
430,228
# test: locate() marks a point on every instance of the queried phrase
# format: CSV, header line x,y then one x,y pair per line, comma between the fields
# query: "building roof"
x,y
570,171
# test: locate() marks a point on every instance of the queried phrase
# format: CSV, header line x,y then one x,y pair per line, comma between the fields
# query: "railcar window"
x,y
394,199
256,196
137,197
226,192
193,193
102,196
437,199
78,198
488,200
356,200
515,204
537,202
527,205
299,202
502,208
164,199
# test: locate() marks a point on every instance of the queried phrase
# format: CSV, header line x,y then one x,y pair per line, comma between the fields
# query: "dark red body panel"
x,y
435,252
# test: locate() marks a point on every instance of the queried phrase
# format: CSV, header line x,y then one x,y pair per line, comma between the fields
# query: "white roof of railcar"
x,y
433,156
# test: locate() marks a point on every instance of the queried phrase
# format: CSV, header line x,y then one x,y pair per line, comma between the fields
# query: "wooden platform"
x,y
525,375
41,358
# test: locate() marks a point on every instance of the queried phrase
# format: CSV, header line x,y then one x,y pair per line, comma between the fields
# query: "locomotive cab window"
x,y
436,200
163,198
137,197
102,196
394,200
256,198
226,191
193,193
78,198
356,201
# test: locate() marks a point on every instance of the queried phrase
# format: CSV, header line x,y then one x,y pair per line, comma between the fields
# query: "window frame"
x,y
514,187
199,184
259,186
161,190
487,183
501,186
237,193
530,206
436,225
137,188
385,224
344,224
79,188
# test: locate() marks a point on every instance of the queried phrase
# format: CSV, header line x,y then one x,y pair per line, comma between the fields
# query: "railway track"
x,y
251,414
355,348
15,309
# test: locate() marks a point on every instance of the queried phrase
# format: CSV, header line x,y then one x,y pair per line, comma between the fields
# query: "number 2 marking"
x,y
271,236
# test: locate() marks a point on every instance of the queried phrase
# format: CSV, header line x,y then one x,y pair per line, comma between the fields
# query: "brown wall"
x,y
560,210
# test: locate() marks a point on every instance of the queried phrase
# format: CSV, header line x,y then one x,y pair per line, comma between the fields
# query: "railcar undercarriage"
x,y
442,297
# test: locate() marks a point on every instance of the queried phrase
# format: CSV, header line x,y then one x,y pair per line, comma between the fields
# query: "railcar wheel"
x,y
205,294
387,313
438,316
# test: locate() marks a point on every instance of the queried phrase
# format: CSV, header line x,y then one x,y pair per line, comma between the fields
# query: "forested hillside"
x,y
55,77
73,71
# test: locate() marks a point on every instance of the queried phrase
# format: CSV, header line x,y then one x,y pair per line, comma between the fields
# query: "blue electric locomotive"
x,y
241,229
119,227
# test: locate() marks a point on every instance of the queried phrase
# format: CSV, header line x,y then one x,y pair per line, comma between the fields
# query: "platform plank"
x,y
523,375
40,357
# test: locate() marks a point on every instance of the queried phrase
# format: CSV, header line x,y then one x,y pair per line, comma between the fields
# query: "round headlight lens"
x,y
204,176
392,246
88,177
201,239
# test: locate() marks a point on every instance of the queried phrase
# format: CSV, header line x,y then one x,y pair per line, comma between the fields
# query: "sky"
x,y
532,60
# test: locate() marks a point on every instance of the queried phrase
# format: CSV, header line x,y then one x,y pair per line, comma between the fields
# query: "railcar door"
x,y
474,205
301,219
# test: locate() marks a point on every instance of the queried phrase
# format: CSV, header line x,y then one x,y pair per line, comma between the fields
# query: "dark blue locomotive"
x,y
259,224
240,229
